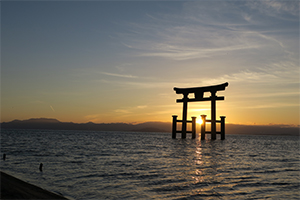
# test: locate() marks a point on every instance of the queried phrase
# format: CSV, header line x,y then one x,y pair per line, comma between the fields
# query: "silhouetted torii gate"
x,y
199,96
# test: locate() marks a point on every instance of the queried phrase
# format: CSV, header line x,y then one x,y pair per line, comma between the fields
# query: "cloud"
x,y
273,105
244,76
190,42
143,83
276,94
276,8
92,117
129,110
177,52
142,107
98,70
52,108
118,75
207,30
123,111
126,45
282,73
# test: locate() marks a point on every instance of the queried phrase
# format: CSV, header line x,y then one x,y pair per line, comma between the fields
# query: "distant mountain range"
x,y
54,124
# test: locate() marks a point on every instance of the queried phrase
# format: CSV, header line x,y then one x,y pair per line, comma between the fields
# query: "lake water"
x,y
129,165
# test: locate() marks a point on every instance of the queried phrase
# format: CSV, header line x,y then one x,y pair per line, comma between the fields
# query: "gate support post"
x,y
203,127
222,127
174,127
193,127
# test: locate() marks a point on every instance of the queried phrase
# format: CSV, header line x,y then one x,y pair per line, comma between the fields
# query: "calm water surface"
x,y
128,165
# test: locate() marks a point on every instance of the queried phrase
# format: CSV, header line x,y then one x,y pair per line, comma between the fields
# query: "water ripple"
x,y
127,165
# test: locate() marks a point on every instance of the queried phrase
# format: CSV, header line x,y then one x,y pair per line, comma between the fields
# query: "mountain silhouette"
x,y
54,124
37,120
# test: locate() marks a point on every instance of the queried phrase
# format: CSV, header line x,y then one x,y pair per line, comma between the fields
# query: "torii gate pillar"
x,y
184,116
213,115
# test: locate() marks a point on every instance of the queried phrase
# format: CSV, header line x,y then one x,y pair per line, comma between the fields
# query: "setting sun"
x,y
199,121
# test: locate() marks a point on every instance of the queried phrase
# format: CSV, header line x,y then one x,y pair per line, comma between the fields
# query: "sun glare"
x,y
199,121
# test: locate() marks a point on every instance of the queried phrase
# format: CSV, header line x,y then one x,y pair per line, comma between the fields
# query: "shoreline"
x,y
14,188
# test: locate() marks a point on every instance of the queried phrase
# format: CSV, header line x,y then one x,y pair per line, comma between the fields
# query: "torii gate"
x,y
199,96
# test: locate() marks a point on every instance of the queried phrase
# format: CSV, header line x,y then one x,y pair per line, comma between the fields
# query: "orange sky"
x,y
119,61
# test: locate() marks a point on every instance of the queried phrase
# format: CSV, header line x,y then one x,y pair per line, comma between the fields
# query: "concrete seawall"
x,y
13,188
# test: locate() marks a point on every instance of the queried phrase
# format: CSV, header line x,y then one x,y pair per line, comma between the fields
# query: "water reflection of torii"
x,y
199,96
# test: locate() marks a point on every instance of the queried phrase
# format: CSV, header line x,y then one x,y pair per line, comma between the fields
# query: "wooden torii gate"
x,y
199,96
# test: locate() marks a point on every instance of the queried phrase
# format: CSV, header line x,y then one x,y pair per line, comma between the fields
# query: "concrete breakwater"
x,y
13,188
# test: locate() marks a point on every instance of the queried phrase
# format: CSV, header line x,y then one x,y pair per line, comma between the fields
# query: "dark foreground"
x,y
13,188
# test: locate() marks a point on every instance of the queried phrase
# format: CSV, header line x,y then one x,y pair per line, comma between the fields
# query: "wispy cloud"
x,y
190,42
122,111
142,107
177,52
276,8
126,45
276,94
244,76
197,33
94,72
92,117
128,110
118,75
280,73
273,105
52,108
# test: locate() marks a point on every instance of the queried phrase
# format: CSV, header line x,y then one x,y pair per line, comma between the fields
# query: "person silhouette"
x,y
41,167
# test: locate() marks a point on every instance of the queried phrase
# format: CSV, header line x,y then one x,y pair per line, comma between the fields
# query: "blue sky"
x,y
118,61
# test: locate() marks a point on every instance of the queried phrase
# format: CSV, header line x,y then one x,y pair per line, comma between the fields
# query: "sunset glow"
x,y
118,61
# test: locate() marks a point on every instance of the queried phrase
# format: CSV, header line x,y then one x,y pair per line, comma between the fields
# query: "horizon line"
x,y
135,123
